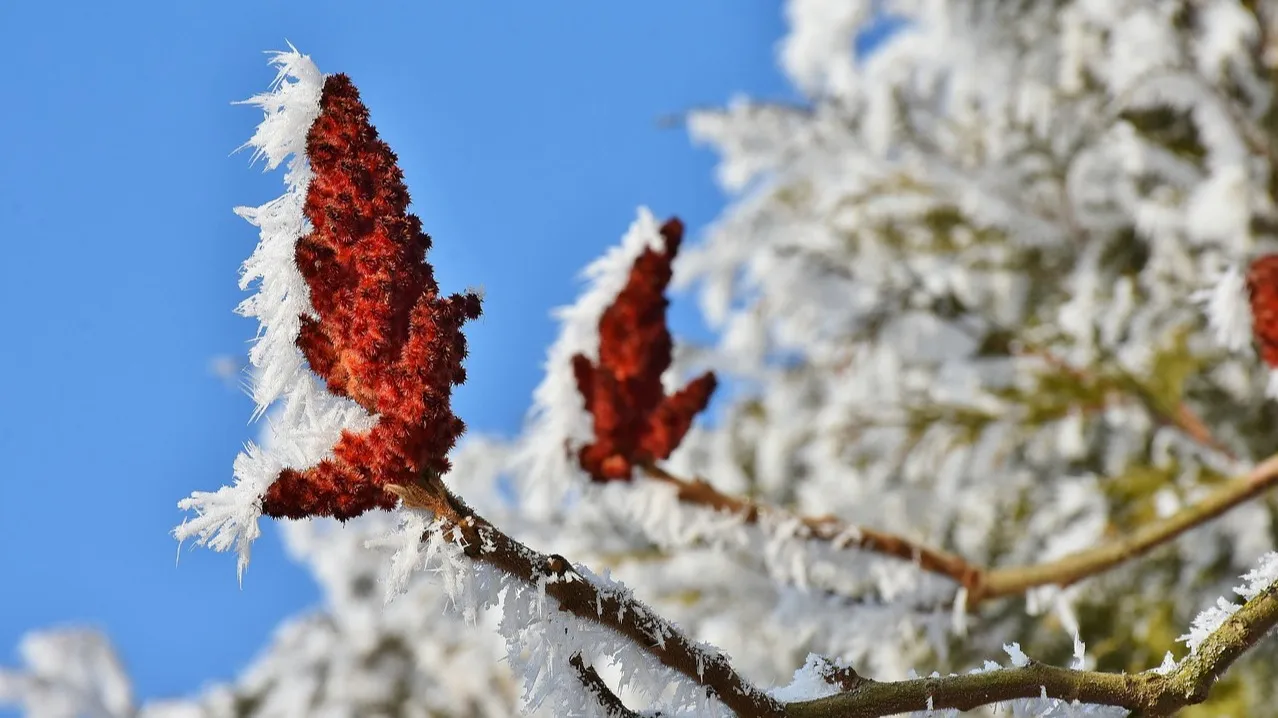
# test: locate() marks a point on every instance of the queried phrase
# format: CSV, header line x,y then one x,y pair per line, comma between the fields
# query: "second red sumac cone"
x,y
634,421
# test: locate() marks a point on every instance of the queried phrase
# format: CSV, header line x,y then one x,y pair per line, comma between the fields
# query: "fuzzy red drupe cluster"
x,y
384,336
1262,286
634,421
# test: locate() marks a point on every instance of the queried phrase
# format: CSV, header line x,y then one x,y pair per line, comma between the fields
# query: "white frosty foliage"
x,y
991,168
310,419
69,673
809,682
557,422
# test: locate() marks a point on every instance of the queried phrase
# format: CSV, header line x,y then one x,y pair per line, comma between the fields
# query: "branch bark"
x,y
589,677
1147,694
825,528
617,610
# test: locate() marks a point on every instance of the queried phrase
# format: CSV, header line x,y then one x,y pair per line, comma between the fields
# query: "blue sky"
x,y
528,135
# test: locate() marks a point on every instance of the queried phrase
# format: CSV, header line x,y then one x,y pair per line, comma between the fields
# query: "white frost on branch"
x,y
809,682
1040,707
310,419
1257,581
540,637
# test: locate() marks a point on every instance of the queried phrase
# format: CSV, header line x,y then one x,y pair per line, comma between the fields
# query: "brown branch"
x,y
1089,562
1148,694
972,690
589,677
983,583
613,608
824,528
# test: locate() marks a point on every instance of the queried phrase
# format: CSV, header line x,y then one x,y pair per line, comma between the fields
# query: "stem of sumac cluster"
x,y
985,583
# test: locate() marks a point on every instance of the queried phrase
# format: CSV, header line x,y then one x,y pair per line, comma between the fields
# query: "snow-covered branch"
x,y
1152,693
576,594
981,583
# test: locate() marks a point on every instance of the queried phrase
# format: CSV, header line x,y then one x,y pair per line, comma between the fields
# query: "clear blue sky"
x,y
528,135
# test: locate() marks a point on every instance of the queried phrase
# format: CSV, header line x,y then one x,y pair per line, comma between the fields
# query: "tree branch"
x,y
615,609
824,528
1089,562
589,677
984,583
1147,694
972,690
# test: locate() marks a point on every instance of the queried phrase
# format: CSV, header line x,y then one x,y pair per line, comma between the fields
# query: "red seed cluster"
x,y
634,421
1262,286
384,336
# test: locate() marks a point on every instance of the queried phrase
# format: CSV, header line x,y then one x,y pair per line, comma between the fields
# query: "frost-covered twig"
x,y
575,594
1151,693
595,686
68,672
1147,694
824,528
982,583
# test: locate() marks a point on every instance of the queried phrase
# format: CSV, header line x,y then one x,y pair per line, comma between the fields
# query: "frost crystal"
x,y
1257,580
809,682
311,419
1228,308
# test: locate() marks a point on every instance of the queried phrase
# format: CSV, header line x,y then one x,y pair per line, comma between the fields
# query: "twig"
x,y
589,677
983,583
615,609
824,528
